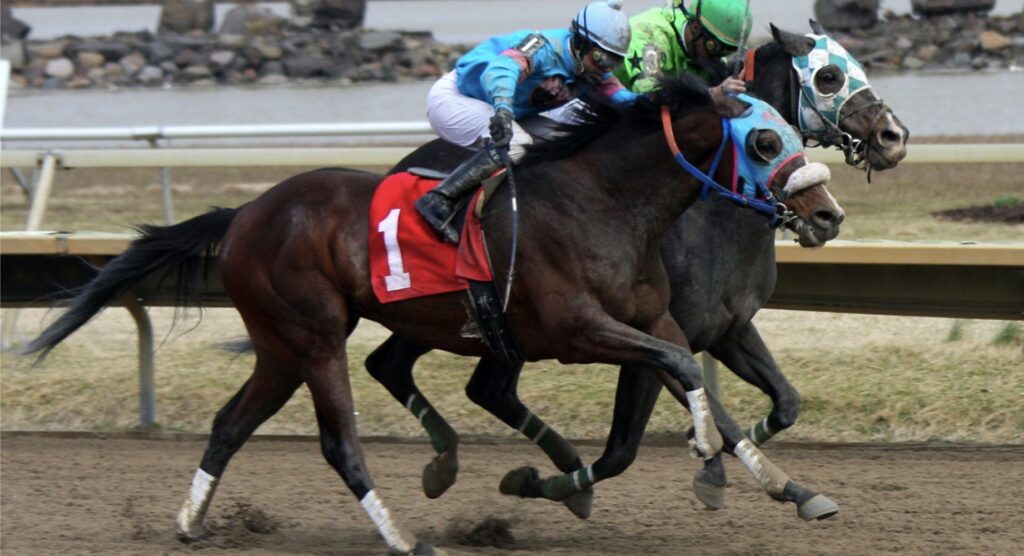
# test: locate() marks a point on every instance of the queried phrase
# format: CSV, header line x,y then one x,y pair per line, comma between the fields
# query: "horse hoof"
x,y
519,481
439,475
189,532
817,507
424,549
712,495
580,503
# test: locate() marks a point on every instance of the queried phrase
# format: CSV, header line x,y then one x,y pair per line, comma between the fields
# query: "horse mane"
x,y
682,95
769,52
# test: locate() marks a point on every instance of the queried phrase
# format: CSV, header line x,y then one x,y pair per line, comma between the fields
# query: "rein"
x,y
770,207
507,161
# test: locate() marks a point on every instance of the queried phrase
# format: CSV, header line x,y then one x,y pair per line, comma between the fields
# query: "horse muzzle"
x,y
820,217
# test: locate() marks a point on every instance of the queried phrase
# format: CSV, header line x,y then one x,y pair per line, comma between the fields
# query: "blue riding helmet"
x,y
604,24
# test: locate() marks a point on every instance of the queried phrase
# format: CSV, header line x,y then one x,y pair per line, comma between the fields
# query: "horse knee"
x,y
786,410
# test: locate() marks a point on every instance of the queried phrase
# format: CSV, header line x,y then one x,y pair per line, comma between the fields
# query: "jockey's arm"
x,y
502,74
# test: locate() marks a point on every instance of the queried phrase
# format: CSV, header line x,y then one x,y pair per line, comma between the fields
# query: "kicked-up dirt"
x,y
118,494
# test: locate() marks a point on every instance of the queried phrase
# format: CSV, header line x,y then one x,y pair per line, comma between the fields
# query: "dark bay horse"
x,y
590,288
721,265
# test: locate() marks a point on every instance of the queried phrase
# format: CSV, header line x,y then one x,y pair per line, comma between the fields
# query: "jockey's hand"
x,y
730,85
501,127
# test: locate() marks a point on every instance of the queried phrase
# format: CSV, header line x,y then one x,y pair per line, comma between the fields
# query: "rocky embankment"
x,y
942,42
256,47
251,47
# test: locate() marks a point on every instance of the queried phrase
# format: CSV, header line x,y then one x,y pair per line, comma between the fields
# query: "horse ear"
x,y
729,106
817,28
793,44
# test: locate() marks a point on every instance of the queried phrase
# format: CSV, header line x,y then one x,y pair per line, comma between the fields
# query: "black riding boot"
x,y
438,205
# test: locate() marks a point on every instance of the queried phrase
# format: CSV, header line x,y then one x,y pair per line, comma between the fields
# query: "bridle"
x,y
771,205
855,150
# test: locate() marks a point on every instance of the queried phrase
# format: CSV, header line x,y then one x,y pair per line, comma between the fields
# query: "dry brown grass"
x,y
861,377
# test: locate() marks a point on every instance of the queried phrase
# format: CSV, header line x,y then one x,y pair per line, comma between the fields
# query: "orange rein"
x,y
748,66
670,136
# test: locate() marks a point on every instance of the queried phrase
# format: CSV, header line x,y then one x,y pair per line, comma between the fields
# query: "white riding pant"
x,y
466,121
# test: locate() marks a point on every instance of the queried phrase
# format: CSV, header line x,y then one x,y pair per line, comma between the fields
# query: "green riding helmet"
x,y
728,20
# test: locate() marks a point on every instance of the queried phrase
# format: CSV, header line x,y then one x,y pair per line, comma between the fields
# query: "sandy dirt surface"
x,y
119,495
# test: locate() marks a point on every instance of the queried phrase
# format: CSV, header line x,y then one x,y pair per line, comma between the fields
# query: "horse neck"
x,y
773,80
639,174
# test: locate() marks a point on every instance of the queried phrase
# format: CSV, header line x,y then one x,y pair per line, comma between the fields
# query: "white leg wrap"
x,y
190,518
772,479
702,422
397,539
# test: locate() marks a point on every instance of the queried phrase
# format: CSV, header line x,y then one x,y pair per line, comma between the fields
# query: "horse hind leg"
x,y
266,391
493,387
391,364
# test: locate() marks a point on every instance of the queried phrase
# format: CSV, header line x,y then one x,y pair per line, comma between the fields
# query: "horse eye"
x,y
829,80
763,145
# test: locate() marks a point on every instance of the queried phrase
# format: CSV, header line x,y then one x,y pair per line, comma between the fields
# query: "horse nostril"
x,y
826,218
888,137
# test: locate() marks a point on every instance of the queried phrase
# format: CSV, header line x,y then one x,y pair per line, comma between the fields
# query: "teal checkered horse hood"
x,y
813,102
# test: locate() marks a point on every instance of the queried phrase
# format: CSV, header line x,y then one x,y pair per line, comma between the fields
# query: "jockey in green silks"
x,y
675,39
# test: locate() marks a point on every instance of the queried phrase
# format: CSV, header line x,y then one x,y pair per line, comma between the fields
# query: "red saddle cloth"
x,y
407,258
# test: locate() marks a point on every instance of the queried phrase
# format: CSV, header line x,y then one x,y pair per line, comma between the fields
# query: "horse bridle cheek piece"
x,y
769,206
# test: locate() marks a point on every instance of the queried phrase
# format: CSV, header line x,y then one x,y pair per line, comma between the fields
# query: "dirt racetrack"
x,y
118,495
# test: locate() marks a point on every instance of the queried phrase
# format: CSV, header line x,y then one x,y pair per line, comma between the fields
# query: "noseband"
x,y
770,206
855,150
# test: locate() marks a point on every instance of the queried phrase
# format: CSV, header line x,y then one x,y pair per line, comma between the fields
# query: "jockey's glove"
x,y
501,126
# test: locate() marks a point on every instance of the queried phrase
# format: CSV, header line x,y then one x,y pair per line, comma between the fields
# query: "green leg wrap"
x,y
760,433
561,487
561,452
441,434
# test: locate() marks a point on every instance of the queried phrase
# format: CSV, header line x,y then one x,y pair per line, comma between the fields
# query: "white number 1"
x,y
398,279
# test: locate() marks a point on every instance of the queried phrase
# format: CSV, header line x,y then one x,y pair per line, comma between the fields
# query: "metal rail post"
x,y
37,209
41,192
165,187
147,369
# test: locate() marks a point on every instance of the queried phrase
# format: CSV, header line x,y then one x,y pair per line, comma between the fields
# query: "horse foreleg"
x,y
269,387
391,364
493,387
744,353
778,485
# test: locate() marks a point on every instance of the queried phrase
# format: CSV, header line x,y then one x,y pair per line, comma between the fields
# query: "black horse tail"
x,y
181,248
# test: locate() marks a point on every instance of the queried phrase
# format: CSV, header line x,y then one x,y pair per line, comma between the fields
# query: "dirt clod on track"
x,y
119,495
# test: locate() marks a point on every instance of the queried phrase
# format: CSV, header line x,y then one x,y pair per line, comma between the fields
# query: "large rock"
x,y
183,16
12,28
938,7
843,15
248,19
341,14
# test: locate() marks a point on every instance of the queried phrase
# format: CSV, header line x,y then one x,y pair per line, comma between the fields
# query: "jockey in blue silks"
x,y
512,77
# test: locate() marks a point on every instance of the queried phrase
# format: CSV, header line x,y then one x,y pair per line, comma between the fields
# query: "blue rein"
x,y
770,206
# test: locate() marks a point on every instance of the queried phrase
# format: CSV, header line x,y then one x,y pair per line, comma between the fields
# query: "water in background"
x,y
930,104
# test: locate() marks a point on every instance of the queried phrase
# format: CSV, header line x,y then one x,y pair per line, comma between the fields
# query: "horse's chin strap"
x,y
770,206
